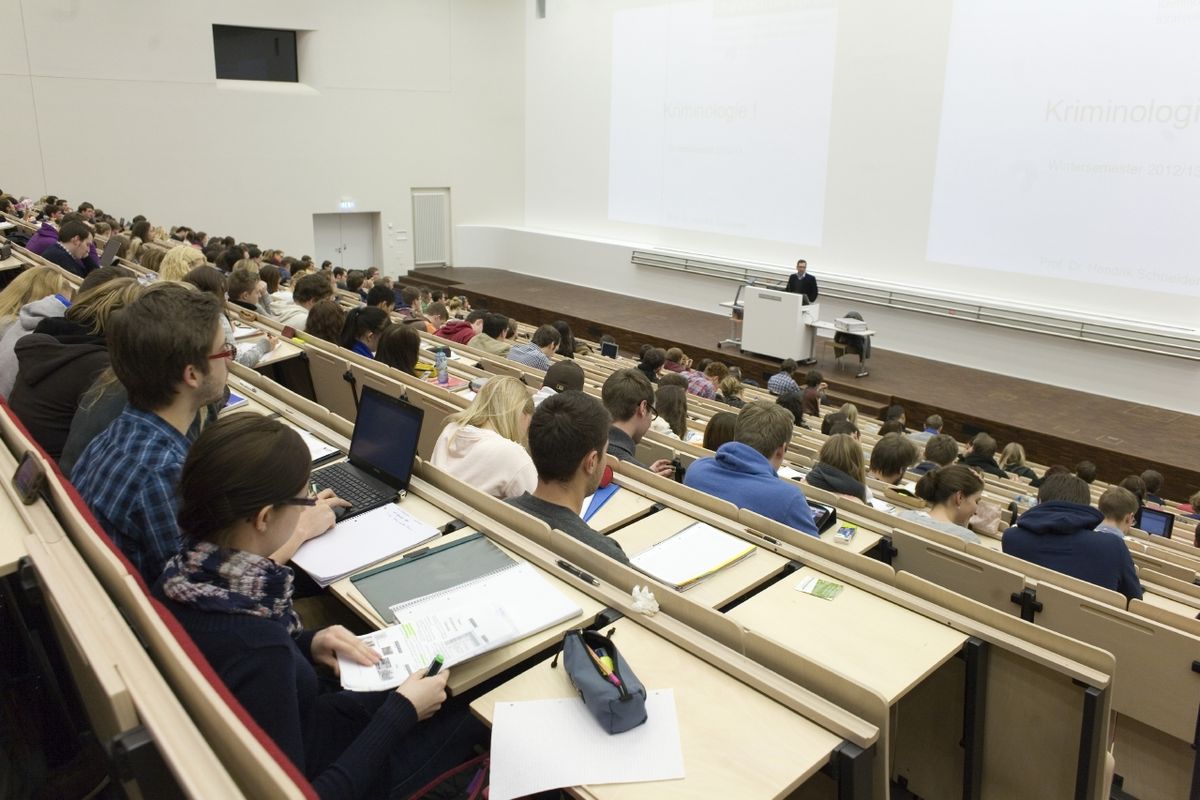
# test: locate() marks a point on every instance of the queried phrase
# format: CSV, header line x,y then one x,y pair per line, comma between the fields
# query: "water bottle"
x,y
442,372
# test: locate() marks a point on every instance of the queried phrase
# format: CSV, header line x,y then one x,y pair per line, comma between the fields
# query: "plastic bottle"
x,y
443,374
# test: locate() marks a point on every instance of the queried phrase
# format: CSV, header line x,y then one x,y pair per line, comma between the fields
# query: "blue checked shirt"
x,y
530,355
128,477
781,383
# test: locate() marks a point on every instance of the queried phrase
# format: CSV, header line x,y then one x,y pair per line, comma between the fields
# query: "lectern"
x,y
777,323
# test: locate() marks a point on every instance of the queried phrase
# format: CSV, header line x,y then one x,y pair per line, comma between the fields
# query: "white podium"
x,y
778,324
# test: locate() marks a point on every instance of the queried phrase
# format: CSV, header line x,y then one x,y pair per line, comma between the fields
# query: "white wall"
x,y
116,102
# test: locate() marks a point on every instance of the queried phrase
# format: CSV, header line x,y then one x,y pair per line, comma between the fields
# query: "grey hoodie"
x,y
27,319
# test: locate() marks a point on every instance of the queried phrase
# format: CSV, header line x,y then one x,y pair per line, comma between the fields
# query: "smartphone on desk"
x,y
29,479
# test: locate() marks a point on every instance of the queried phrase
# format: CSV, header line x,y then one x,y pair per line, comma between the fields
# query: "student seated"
x,y
74,251
383,297
399,348
462,331
568,436
562,376
891,457
208,279
1120,509
1086,471
652,364
484,444
1153,480
170,353
244,496
671,404
783,382
1013,460
568,345
940,451
306,293
892,426
729,391
981,456
628,397
744,471
494,337
719,429
326,320
933,426
847,427
794,403
814,392
246,289
34,295
179,261
356,281
62,358
829,420
364,325
1059,534
840,468
953,495
536,352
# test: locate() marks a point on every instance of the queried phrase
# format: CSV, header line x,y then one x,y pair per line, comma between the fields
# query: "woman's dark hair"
x,y
362,320
141,229
326,320
207,279
237,466
829,420
793,402
671,404
813,378
269,274
1135,484
398,348
719,429
894,411
939,485
566,343
891,426
653,358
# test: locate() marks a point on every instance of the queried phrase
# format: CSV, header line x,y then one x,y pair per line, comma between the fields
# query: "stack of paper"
x,y
361,541
317,448
690,556
460,623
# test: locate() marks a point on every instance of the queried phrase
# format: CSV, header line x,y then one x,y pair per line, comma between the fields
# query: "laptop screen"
x,y
385,437
1157,523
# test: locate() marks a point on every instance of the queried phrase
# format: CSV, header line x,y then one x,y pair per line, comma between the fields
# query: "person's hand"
x,y
317,519
335,640
663,467
425,694
273,341
823,386
262,289
986,520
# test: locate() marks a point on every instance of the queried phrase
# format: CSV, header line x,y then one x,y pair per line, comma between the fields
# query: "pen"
x,y
312,488
435,666
578,573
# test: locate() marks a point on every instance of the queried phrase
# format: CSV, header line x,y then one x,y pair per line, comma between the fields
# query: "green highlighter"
x,y
435,666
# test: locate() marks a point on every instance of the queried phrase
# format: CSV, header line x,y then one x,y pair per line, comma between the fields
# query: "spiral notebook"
x,y
695,553
466,618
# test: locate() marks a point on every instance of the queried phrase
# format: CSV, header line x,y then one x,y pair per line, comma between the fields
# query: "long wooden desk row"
x,y
853,656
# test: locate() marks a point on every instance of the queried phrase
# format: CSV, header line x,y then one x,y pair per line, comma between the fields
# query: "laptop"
x,y
1156,523
110,251
382,451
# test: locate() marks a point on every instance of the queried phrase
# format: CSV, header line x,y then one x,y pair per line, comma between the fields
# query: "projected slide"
x,y
720,116
1070,142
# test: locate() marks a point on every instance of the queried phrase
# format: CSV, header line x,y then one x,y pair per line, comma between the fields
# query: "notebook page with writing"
x,y
691,555
361,541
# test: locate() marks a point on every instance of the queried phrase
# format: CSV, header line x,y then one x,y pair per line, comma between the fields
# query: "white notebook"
x,y
317,448
361,541
695,553
460,623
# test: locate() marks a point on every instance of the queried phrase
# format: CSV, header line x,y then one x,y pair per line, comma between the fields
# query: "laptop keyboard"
x,y
347,485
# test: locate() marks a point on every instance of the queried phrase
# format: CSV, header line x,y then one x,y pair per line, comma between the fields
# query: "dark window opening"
x,y
255,54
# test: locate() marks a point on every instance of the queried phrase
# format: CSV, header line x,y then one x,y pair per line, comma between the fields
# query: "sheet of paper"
x,y
692,554
789,473
540,745
881,505
241,331
361,541
317,448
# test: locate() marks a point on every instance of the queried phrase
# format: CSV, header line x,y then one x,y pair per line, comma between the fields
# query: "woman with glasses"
x,y
244,506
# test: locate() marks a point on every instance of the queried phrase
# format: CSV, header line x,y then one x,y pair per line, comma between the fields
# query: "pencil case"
x,y
613,694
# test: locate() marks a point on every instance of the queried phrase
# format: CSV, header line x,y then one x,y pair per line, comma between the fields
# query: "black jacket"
x,y
57,254
982,464
56,364
806,286
832,479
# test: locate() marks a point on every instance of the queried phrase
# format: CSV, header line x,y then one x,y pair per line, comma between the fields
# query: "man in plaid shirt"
x,y
170,353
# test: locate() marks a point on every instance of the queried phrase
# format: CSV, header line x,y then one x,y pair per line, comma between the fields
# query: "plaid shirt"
x,y
530,355
781,383
699,385
128,476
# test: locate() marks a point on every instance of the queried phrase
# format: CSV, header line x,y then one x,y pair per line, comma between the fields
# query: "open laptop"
x,y
1156,523
382,452
110,251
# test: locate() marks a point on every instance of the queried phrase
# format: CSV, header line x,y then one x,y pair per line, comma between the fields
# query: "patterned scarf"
x,y
213,578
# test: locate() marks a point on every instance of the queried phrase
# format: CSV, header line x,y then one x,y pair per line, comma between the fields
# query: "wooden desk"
x,y
737,743
863,541
13,531
283,351
1168,603
718,590
621,509
477,670
870,640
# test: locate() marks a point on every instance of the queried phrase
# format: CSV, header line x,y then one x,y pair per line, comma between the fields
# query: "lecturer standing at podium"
x,y
803,283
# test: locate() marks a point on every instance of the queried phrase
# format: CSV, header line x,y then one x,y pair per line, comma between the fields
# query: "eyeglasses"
x,y
299,501
651,410
229,352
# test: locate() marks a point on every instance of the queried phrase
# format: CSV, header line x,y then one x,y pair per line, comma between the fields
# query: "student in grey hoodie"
x,y
27,319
